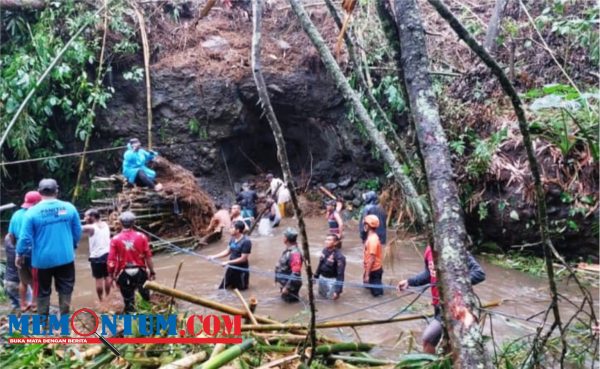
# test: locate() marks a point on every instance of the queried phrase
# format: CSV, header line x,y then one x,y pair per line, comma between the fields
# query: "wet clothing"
x,y
11,274
51,229
64,281
334,227
14,227
234,277
128,249
274,215
127,261
433,332
373,208
100,241
289,273
332,265
282,195
134,165
133,279
247,200
373,248
476,274
99,266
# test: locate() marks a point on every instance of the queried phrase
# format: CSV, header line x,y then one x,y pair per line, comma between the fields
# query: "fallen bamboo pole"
x,y
228,355
186,362
203,302
279,362
245,306
348,323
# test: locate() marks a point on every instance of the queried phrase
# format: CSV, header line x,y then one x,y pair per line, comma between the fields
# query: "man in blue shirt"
x,y
134,165
51,229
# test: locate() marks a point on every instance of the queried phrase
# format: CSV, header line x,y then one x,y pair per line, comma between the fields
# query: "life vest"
x,y
284,267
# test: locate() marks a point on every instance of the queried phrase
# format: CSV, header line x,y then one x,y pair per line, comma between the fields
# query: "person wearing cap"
x,y
373,267
130,261
51,230
433,333
247,200
237,274
288,272
280,193
99,242
134,165
331,269
372,207
334,220
25,277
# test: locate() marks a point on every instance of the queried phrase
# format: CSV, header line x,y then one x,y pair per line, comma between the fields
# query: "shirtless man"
x,y
220,220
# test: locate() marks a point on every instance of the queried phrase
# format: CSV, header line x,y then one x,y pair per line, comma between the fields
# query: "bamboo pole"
x,y
186,362
279,362
202,301
228,355
98,82
146,51
245,306
344,346
362,360
346,323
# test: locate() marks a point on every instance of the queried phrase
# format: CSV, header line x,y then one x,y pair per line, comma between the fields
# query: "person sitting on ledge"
x,y
134,166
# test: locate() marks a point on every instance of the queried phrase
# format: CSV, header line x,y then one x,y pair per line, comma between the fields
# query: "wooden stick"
x,y
349,323
202,301
327,192
245,306
278,362
146,52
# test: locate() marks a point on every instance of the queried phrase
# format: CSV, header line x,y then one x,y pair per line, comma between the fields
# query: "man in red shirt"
x,y
128,259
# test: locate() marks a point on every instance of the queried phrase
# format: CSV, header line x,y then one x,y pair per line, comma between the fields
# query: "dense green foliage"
x,y
61,110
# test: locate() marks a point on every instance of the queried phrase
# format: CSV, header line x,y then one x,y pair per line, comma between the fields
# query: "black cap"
x,y
47,186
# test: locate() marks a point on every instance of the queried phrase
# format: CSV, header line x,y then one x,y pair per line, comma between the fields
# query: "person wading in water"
x,y
238,251
331,269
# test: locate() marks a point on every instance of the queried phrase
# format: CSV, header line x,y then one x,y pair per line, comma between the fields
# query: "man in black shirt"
x,y
237,274
332,266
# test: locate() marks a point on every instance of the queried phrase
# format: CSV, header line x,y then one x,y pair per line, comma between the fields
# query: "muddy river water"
x,y
522,295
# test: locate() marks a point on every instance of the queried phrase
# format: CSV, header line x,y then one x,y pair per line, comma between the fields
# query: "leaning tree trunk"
x,y
449,228
494,26
416,202
283,161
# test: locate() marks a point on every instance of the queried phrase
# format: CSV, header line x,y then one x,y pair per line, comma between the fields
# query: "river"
x,y
523,295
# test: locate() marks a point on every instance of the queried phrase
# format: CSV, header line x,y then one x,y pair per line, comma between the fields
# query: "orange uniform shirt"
x,y
373,247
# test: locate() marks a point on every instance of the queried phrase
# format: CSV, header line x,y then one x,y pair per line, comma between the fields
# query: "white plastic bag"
x,y
264,227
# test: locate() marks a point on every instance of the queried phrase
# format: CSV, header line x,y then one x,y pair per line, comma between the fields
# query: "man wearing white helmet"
x,y
130,261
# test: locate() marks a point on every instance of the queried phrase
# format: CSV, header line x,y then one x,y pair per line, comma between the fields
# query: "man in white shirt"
x,y
99,242
281,193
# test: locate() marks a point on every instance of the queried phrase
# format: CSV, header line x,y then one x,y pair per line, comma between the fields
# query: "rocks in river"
x,y
330,186
345,182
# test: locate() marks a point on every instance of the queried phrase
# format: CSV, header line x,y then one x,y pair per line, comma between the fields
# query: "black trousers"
x,y
64,280
235,278
128,284
142,180
375,277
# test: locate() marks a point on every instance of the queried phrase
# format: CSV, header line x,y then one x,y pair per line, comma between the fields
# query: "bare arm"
x,y
223,253
340,223
88,230
150,266
370,262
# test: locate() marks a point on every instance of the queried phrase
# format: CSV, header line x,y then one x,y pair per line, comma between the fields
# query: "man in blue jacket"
x,y
134,165
51,229
372,207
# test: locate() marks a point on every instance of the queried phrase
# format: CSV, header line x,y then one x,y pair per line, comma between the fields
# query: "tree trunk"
x,y
416,202
493,30
449,229
285,165
358,70
22,4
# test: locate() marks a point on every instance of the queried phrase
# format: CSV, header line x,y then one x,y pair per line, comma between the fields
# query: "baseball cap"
x,y
134,140
31,198
47,185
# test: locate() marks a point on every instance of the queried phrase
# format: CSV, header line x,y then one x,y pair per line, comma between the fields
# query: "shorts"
x,y
433,332
26,272
99,266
